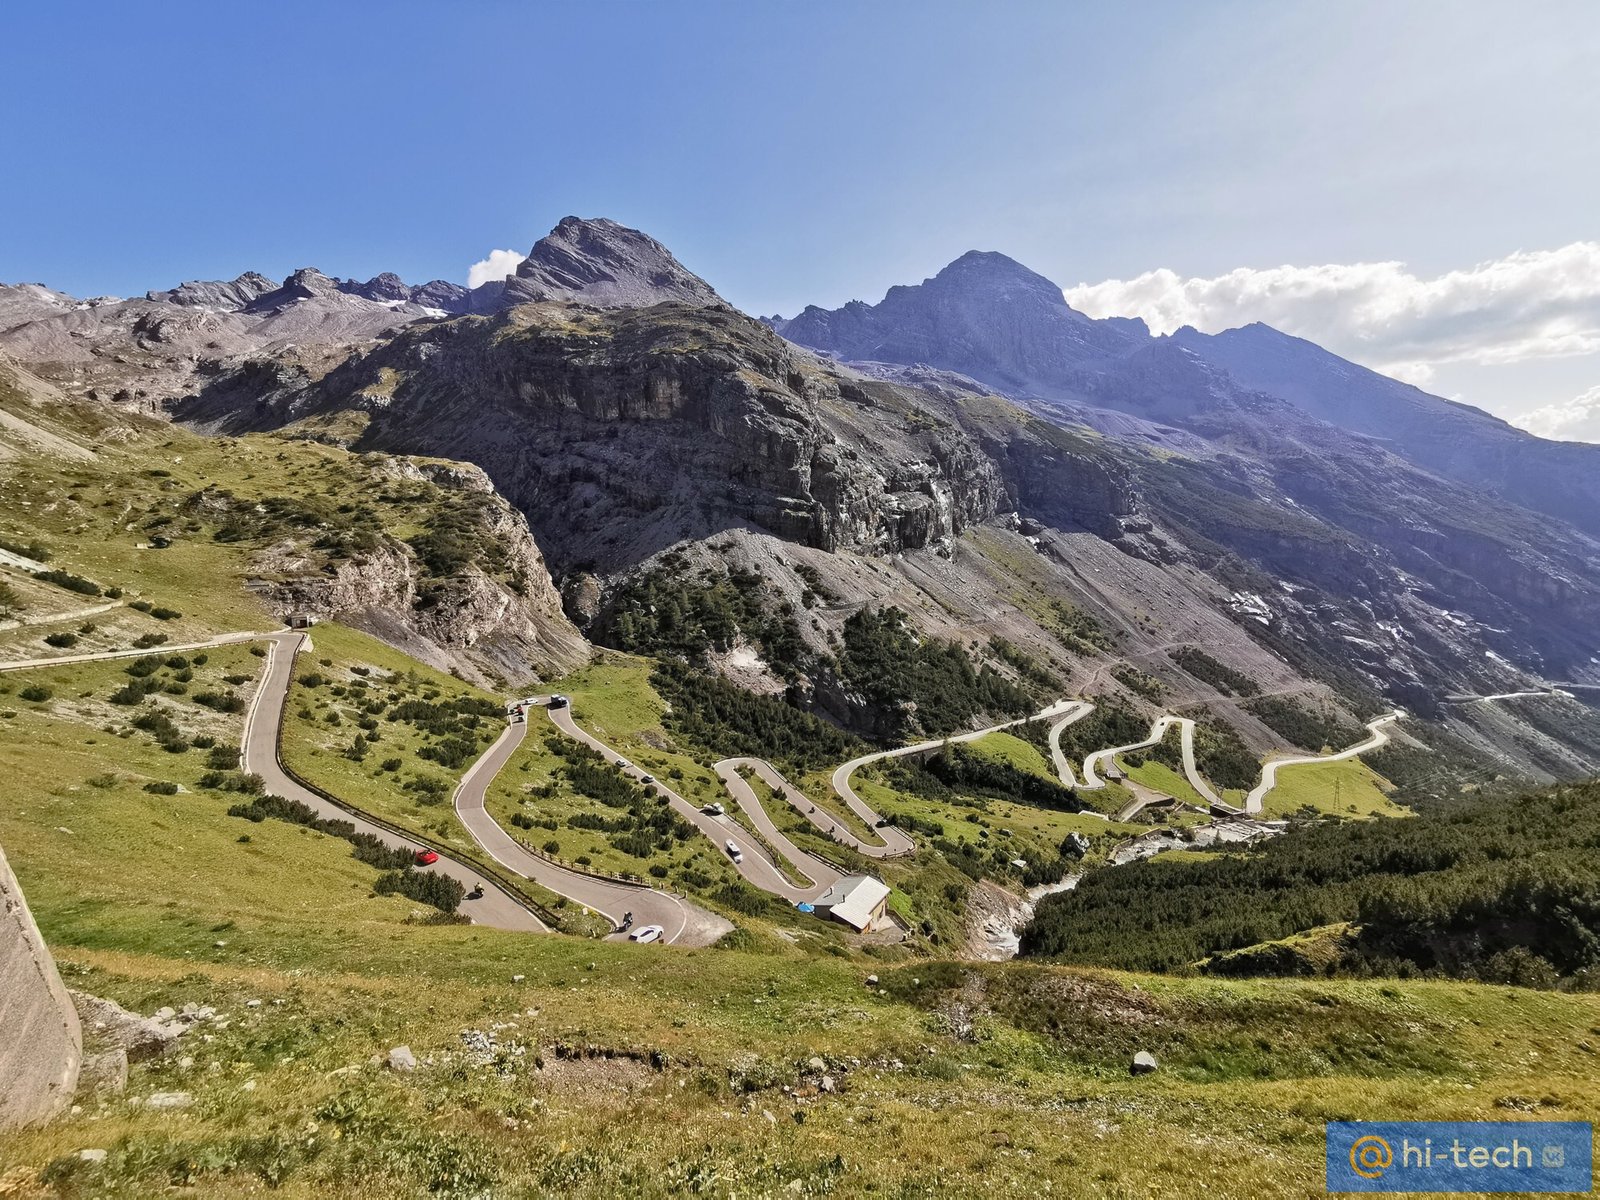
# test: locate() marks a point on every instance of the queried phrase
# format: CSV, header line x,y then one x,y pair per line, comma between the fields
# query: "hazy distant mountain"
x,y
985,315
991,318
1464,443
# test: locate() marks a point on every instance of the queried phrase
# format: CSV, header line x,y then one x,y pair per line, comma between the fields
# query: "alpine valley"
x,y
570,736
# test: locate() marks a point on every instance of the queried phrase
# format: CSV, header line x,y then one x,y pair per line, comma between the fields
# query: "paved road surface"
x,y
1159,729
260,753
755,866
685,923
67,660
821,874
1269,771
1378,736
896,842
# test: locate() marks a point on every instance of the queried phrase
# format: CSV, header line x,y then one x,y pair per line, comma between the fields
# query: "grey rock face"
x,y
512,626
229,296
602,263
385,287
105,1073
441,294
623,431
139,1037
984,315
307,283
41,1042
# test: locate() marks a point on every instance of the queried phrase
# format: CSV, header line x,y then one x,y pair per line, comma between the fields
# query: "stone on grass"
x,y
169,1100
105,1073
1143,1063
140,1037
401,1059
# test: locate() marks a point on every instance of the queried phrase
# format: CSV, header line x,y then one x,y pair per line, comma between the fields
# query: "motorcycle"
x,y
476,893
627,920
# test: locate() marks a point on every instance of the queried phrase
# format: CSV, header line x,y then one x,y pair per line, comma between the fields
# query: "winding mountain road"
x,y
1378,735
755,865
258,752
683,923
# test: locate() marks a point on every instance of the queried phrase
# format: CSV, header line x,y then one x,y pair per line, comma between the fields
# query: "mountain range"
x,y
971,450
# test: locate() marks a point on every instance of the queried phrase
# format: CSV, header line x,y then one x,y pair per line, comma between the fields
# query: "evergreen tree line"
x,y
1460,893
924,686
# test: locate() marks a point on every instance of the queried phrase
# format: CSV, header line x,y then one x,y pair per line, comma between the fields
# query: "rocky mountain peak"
x,y
382,288
985,315
216,294
601,263
988,274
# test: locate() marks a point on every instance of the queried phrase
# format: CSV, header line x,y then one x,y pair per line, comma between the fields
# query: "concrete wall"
x,y
41,1044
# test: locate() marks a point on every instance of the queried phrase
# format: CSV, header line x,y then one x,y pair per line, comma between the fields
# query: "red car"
x,y
426,858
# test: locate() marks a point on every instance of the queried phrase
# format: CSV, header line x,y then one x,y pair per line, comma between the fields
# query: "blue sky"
x,y
820,152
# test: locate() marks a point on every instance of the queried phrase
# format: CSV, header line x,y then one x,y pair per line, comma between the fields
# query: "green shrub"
x,y
61,640
66,579
37,551
426,887
225,702
1218,674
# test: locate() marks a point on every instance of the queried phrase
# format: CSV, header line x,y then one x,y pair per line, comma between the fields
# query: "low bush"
x,y
66,579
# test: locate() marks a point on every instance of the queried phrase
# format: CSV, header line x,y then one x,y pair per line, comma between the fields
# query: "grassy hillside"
x,y
645,1070
162,534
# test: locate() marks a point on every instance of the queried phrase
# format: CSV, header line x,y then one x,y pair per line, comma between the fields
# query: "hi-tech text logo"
x,y
1464,1156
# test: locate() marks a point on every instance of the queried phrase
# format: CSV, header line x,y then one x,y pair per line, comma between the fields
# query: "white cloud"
x,y
1576,420
498,265
1529,305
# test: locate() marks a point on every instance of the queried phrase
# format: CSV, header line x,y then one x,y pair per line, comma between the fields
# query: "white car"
x,y
734,852
646,933
647,778
624,763
713,810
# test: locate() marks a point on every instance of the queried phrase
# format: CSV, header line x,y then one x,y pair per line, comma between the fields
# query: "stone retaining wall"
x,y
41,1043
